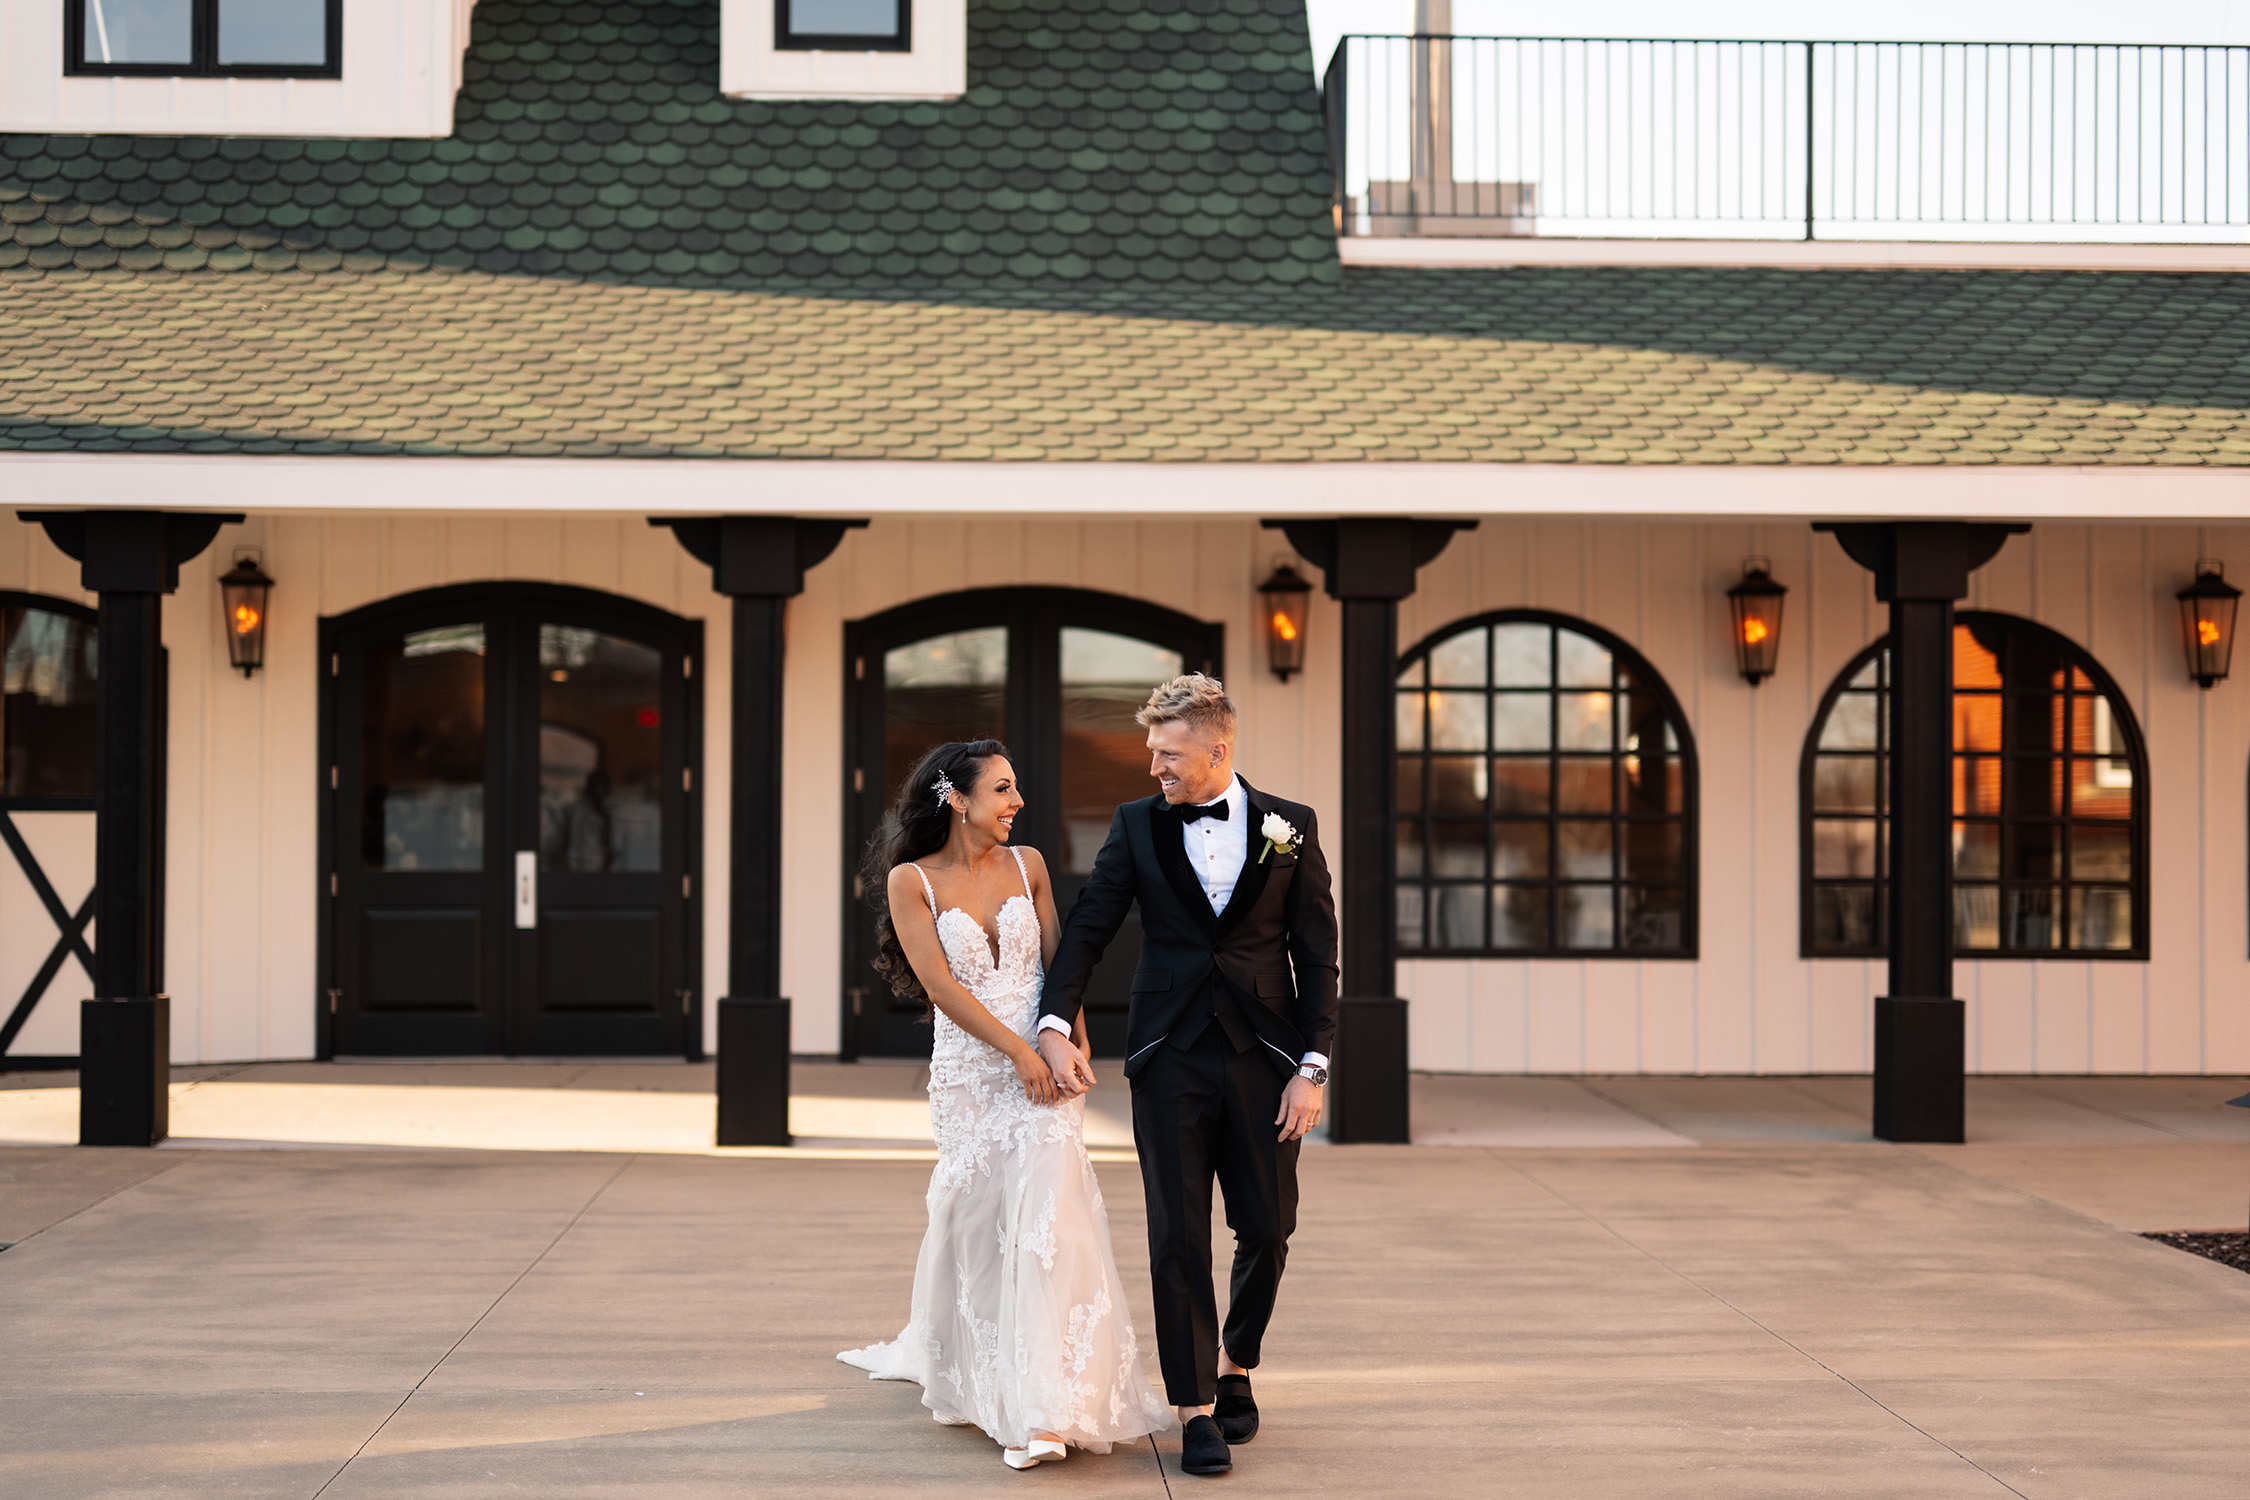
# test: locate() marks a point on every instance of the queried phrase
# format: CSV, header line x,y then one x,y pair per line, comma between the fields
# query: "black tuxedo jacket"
x,y
1274,945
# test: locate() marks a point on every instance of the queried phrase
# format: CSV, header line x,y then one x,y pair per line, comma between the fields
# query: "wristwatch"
x,y
1318,1076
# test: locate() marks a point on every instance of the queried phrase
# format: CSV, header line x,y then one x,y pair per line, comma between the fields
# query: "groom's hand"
x,y
1300,1108
1073,1074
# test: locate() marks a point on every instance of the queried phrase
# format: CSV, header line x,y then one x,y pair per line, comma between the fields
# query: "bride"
x,y
1019,1323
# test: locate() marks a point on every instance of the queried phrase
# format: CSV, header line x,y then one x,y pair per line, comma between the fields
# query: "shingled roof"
x,y
1116,246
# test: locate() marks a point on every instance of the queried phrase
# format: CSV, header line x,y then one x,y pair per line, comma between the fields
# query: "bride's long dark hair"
x,y
916,826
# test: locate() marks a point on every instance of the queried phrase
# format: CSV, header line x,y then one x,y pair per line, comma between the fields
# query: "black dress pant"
x,y
1202,1112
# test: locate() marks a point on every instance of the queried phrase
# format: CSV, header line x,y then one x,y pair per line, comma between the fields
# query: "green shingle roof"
x,y
1112,139
1116,246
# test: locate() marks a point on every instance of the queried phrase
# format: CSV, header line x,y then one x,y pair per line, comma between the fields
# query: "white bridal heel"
x,y
1033,1454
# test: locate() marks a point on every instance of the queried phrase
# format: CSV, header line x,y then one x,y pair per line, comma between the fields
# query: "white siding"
x,y
245,788
243,882
402,69
63,843
1750,1003
1207,569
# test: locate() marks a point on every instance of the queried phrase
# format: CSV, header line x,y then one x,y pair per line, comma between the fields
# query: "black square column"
x,y
1920,568
131,558
759,562
1369,565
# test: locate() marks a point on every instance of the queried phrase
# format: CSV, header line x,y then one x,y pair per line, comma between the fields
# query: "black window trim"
x,y
84,615
204,47
785,40
2124,723
1690,793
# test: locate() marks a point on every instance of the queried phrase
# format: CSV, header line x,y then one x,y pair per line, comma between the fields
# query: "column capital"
x,y
1921,559
758,557
130,551
1369,557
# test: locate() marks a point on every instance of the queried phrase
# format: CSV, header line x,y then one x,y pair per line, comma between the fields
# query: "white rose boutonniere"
x,y
1279,835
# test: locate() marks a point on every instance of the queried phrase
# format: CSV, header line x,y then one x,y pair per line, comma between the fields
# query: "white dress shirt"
x,y
1217,849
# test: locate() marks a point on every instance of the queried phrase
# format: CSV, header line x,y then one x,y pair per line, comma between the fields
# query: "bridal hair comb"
x,y
943,786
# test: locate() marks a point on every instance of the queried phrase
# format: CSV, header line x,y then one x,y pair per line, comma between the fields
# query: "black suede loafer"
x,y
1203,1450
1236,1411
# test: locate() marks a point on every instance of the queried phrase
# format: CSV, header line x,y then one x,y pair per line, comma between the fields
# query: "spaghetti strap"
x,y
1021,872
927,891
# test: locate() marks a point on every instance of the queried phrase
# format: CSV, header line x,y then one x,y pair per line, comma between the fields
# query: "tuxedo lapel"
x,y
1251,883
1170,835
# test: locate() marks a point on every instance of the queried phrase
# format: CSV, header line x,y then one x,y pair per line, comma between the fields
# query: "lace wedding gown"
x,y
1019,1323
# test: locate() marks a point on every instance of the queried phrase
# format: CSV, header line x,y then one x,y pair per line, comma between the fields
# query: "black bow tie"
x,y
1190,811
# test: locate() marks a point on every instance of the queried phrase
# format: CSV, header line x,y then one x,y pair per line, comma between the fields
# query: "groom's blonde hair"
x,y
1195,700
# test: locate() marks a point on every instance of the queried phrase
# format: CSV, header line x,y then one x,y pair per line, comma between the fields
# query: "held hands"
x,y
1300,1108
1073,1075
1038,1079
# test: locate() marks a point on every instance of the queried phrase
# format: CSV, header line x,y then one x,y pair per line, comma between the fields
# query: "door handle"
x,y
527,888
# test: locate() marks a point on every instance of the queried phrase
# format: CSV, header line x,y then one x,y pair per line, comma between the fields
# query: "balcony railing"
x,y
1513,136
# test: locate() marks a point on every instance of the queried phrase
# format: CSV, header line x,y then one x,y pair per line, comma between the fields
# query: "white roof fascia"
x,y
876,487
1439,252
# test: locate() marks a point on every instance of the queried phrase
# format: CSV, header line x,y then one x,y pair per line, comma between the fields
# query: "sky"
x,y
2208,21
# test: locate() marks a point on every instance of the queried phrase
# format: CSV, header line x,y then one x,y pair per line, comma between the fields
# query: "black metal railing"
x,y
1502,136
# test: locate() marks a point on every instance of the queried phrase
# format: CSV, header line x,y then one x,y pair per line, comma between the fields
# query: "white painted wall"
x,y
63,843
244,881
243,878
1206,569
1749,1004
402,69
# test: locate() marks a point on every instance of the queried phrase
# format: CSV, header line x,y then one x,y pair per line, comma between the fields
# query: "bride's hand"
x,y
1038,1078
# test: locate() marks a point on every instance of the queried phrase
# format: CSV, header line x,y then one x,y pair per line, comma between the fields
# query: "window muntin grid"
x,y
2049,803
1546,790
204,38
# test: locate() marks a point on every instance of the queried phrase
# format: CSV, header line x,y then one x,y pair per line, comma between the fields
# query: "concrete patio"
x,y
1602,1287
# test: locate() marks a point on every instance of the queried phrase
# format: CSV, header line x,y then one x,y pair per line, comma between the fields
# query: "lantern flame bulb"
x,y
1283,627
245,619
1753,631
2207,632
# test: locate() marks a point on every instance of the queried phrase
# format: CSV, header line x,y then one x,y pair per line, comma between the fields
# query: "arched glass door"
x,y
510,850
1057,674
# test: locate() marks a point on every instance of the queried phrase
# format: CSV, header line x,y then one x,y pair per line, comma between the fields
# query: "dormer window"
x,y
232,67
843,25
844,49
204,38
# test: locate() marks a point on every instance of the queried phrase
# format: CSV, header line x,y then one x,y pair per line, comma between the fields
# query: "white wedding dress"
x,y
1019,1323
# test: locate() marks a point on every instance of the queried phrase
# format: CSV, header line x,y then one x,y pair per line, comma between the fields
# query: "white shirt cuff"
x,y
1054,1023
1314,1060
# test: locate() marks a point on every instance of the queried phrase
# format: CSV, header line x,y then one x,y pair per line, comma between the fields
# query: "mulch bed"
x,y
2228,1248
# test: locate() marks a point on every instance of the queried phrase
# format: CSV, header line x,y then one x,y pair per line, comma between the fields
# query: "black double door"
x,y
1055,673
509,838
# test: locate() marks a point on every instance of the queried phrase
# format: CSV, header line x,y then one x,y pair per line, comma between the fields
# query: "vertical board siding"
x,y
1750,1003
63,844
1206,569
247,791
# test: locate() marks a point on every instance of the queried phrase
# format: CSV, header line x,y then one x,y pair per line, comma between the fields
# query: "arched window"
x,y
1546,785
2050,798
47,701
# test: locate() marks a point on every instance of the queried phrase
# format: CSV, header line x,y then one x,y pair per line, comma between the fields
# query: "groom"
x,y
1233,1007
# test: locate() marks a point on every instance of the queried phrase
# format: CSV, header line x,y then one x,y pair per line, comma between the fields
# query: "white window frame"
x,y
401,73
937,66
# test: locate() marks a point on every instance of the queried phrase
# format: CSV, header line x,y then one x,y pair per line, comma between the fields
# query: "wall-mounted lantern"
x,y
242,598
1756,602
1283,599
2207,621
